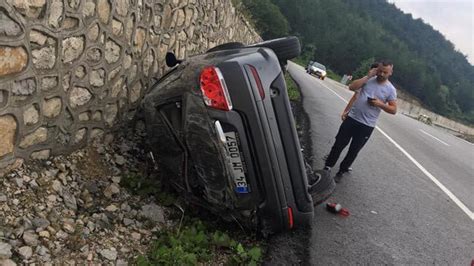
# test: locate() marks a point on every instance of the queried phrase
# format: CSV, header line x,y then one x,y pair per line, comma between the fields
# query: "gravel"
x,y
73,209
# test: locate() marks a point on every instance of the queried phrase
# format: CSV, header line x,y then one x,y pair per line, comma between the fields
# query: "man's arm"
x,y
349,106
390,107
358,83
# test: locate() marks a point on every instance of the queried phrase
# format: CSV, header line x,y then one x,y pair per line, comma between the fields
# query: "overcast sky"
x,y
453,18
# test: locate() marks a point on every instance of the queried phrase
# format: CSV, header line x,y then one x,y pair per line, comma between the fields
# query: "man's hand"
x,y
372,72
344,115
390,108
376,102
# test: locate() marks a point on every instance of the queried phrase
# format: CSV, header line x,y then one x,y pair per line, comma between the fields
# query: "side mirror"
x,y
171,60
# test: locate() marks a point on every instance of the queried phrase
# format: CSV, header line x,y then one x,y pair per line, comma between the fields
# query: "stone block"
x,y
112,51
12,60
8,127
31,8
31,115
52,107
10,28
24,87
40,155
79,96
44,58
72,48
55,13
103,10
48,83
38,136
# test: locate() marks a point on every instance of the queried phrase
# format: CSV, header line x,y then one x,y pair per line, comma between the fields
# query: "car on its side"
x,y
317,69
223,134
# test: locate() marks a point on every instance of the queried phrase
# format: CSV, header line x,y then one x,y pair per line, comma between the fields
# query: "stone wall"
x,y
70,69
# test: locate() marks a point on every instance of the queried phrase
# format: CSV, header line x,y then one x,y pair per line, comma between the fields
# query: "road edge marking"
x,y
453,197
426,133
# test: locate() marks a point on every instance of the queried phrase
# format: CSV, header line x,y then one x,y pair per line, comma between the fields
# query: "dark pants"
x,y
349,129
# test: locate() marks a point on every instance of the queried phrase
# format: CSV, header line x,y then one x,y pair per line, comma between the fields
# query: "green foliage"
x,y
344,34
141,185
195,244
267,18
293,92
332,75
363,68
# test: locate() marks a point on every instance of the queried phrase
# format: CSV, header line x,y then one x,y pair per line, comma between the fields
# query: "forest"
x,y
348,35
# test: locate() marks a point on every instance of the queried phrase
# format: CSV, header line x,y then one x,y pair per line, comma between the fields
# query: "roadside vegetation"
x,y
293,92
191,239
344,35
196,243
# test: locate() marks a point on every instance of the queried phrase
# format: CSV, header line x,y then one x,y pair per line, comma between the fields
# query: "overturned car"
x,y
223,134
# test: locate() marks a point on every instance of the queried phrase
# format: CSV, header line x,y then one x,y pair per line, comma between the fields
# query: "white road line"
x,y
433,137
458,202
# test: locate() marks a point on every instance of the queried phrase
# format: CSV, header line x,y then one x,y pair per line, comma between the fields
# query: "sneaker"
x,y
345,171
339,175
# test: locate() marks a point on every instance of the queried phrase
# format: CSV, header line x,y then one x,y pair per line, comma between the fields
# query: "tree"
x,y
268,19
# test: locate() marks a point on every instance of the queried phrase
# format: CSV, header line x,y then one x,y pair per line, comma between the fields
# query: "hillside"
x,y
347,35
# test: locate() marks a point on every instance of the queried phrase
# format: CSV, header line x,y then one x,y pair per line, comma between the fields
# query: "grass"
x,y
293,92
193,241
330,74
333,76
197,244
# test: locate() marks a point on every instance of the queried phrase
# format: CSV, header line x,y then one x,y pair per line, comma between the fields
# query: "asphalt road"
x,y
410,195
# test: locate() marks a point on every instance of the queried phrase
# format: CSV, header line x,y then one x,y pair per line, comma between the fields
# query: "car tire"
x,y
321,185
226,46
285,48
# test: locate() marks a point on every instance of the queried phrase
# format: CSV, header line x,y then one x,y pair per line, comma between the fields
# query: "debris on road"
x,y
337,208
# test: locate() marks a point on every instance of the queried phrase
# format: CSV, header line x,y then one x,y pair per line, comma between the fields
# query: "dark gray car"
x,y
222,130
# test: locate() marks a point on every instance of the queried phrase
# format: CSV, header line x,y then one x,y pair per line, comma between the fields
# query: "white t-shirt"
x,y
362,111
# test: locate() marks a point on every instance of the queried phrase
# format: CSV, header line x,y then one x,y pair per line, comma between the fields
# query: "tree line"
x,y
347,35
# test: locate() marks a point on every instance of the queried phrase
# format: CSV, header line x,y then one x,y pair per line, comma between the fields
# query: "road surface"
x,y
410,195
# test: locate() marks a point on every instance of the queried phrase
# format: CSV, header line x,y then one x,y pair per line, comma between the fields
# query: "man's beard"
x,y
381,78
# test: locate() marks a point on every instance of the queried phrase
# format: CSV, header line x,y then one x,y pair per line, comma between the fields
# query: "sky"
x,y
453,18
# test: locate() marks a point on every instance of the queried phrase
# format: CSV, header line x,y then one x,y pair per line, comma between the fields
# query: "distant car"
x,y
222,131
317,69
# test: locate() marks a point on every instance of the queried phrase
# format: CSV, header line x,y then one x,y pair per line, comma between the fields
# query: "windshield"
x,y
318,65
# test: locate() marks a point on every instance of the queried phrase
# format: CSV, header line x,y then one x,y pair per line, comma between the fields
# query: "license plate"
x,y
236,162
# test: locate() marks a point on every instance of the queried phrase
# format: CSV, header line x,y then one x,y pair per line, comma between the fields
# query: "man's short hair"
x,y
386,62
374,65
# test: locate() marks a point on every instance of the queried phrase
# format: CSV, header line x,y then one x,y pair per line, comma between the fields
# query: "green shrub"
x,y
195,244
293,92
333,76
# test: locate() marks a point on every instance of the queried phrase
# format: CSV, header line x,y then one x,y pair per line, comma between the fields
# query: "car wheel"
x,y
321,185
226,46
285,48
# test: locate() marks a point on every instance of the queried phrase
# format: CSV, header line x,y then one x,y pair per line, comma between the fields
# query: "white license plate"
x,y
236,163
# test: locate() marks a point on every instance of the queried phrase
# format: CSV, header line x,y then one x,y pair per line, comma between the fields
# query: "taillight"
x,y
290,217
258,81
214,89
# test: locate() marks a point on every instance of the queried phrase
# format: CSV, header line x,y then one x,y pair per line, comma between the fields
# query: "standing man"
x,y
373,93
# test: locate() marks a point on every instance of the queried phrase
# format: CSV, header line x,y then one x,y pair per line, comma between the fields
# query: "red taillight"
x,y
258,81
214,89
290,217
